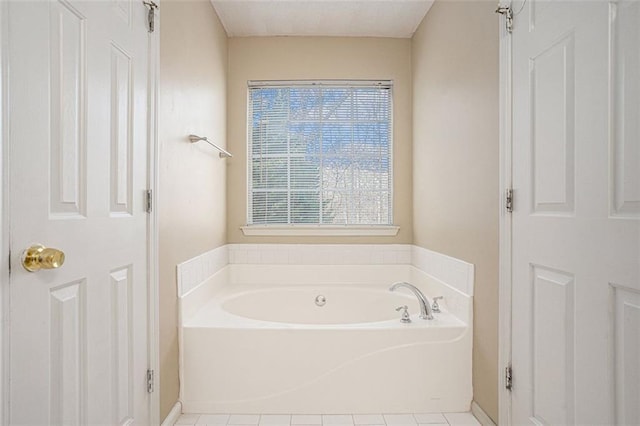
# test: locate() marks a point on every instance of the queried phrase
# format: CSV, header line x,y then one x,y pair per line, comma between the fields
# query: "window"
x,y
320,153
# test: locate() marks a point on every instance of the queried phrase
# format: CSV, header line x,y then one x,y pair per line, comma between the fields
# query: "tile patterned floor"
x,y
437,419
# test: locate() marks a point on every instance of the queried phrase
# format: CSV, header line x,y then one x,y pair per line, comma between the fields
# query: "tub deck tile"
x,y
213,419
306,419
368,419
244,419
428,418
187,419
275,420
400,420
416,419
461,419
337,420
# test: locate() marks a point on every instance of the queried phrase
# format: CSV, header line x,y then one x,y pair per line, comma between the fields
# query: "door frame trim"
x,y
153,247
505,220
4,214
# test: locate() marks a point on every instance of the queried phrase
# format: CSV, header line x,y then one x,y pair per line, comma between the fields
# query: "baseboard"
x,y
173,415
479,414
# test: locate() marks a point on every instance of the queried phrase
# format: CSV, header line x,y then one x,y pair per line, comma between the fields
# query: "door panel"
x,y
553,299
576,233
68,357
552,138
68,111
627,354
625,109
78,151
122,343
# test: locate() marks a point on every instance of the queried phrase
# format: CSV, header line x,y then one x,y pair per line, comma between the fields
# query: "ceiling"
x,y
353,18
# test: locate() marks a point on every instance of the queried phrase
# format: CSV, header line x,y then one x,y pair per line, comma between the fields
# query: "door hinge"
x,y
508,377
149,200
150,381
508,14
151,16
508,200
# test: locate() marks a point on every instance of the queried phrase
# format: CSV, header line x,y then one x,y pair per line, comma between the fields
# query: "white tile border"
x,y
451,271
320,254
173,415
194,271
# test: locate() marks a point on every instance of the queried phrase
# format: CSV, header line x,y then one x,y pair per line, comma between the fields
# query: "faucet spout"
x,y
425,306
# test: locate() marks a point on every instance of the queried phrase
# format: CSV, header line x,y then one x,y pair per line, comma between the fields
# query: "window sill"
x,y
320,230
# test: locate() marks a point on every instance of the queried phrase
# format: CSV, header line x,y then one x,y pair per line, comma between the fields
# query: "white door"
x,y
78,172
576,219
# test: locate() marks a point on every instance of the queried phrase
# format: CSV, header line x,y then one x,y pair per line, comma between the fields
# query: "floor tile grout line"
x,y
385,422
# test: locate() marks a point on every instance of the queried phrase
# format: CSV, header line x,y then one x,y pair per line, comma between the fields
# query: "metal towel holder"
x,y
223,152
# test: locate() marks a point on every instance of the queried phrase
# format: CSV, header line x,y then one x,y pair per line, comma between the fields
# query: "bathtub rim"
x,y
214,315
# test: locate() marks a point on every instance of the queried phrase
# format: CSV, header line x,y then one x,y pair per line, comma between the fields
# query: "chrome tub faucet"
x,y
425,307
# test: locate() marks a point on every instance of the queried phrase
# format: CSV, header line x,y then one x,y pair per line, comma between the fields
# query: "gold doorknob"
x,y
39,257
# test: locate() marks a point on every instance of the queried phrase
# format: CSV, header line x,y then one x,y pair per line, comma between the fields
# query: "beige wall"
x,y
445,147
455,155
290,58
192,194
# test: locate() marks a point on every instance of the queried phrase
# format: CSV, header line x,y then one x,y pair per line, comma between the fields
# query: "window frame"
x,y
292,229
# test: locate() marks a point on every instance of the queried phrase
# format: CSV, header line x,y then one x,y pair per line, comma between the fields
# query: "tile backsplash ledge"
x,y
320,254
198,269
451,271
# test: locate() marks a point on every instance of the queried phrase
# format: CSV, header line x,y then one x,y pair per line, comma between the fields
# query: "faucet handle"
x,y
405,313
435,307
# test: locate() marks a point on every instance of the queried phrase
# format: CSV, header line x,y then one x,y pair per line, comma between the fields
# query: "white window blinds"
x,y
320,153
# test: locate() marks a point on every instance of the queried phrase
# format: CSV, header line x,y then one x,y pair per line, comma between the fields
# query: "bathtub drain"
x,y
321,300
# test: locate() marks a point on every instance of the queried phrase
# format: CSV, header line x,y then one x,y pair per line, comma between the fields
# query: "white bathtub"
x,y
253,340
